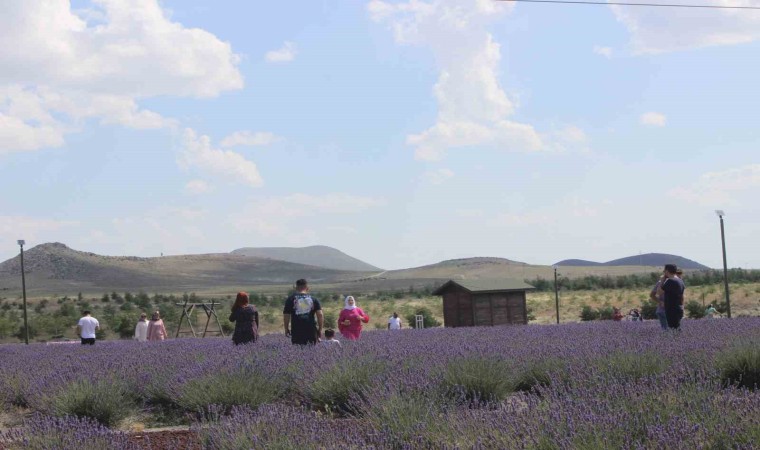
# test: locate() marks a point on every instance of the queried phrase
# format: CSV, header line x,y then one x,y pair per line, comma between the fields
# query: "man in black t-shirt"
x,y
672,291
302,316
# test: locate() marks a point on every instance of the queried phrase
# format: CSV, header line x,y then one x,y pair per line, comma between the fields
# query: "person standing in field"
x,y
394,323
302,316
660,299
141,329
672,290
156,328
86,328
351,319
246,320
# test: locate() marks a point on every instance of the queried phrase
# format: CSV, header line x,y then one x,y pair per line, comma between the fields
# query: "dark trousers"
x,y
88,341
674,315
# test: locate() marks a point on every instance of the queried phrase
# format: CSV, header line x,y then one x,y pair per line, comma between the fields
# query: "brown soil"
x,y
167,439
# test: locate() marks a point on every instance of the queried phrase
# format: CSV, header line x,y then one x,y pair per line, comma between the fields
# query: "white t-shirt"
x,y
395,323
88,325
141,330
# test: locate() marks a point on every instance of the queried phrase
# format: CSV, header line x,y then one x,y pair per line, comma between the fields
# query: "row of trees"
x,y
638,281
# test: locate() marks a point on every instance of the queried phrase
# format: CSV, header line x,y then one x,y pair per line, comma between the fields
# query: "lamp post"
x,y
556,291
720,214
21,243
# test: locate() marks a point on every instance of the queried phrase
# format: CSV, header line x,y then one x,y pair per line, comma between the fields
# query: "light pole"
x,y
556,291
21,243
720,214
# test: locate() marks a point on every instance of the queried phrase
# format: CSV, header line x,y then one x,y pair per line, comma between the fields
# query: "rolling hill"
x,y
315,255
648,259
56,268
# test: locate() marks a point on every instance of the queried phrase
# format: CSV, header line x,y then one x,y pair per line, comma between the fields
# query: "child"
x,y
330,338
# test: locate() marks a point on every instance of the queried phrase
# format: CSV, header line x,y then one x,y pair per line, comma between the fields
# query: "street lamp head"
x,y
720,212
21,242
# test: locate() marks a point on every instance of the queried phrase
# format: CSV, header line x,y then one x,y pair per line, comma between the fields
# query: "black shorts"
x,y
88,341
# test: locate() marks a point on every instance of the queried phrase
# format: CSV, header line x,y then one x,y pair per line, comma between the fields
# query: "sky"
x,y
400,132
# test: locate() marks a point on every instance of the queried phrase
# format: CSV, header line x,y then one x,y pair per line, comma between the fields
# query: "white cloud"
x,y
246,138
720,189
60,68
473,109
658,30
653,119
603,51
31,228
286,53
197,187
198,153
438,176
293,218
566,139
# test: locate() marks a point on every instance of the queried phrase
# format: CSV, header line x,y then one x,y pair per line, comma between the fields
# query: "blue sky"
x,y
402,133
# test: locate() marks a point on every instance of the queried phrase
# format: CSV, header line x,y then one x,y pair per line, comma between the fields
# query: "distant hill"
x,y
54,267
316,255
649,259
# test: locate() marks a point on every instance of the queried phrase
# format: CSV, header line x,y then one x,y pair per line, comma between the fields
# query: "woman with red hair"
x,y
246,320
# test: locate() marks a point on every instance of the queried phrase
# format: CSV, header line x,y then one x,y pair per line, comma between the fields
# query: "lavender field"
x,y
589,385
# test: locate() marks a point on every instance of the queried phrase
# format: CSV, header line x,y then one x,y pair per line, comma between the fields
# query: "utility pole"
x,y
21,243
720,214
556,292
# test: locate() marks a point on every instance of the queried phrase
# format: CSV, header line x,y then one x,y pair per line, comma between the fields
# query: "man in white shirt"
x,y
86,328
394,323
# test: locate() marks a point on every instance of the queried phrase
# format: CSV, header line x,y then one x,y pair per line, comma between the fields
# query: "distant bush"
x,y
648,310
106,401
740,365
477,380
588,313
330,320
694,310
605,313
428,320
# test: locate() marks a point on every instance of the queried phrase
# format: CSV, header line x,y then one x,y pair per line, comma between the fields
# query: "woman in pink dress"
x,y
350,320
156,329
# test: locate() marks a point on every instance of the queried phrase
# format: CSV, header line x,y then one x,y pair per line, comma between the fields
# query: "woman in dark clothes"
x,y
246,320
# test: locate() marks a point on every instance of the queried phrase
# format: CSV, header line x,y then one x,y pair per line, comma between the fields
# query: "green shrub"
x,y
106,401
334,389
648,310
428,320
740,365
606,313
402,419
330,320
536,374
588,313
478,380
240,387
694,310
632,366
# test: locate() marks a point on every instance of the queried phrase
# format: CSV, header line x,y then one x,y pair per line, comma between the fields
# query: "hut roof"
x,y
486,285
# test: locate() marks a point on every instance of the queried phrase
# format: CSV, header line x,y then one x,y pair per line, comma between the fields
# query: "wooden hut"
x,y
469,303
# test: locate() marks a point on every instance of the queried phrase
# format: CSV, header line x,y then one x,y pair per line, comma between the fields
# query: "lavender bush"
x,y
586,385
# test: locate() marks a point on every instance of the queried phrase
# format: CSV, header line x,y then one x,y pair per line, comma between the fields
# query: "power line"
x,y
661,5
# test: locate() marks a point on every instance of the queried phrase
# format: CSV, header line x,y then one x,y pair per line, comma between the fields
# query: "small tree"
x,y
694,310
588,313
